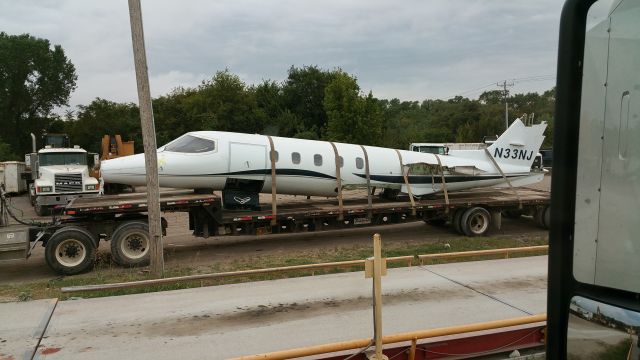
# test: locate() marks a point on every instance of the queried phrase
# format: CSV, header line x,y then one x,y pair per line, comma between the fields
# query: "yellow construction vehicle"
x,y
113,147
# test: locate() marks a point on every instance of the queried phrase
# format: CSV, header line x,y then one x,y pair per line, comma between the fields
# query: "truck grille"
x,y
68,182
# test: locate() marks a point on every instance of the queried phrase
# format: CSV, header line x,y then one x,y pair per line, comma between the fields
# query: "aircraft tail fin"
x,y
519,144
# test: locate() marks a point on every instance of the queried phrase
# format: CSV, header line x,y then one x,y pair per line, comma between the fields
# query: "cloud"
x,y
411,50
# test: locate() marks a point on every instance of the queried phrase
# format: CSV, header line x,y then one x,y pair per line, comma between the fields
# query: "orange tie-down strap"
x,y
406,182
338,180
444,183
274,205
368,177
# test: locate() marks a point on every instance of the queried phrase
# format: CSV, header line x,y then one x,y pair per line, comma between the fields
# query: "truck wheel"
x,y
71,250
130,244
475,221
457,217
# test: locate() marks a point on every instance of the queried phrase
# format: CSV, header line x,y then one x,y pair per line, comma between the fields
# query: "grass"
x,y
106,272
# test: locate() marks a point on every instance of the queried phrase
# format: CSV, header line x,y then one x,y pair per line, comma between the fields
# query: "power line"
x,y
523,79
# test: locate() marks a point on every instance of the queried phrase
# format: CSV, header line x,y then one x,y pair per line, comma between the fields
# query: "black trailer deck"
x,y
207,217
355,203
137,202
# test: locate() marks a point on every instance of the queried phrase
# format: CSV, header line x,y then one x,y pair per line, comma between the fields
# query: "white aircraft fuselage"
x,y
215,159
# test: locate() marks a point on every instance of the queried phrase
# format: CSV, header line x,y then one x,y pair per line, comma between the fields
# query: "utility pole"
x,y
505,93
148,139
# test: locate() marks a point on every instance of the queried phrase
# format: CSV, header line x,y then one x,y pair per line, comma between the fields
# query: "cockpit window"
x,y
191,144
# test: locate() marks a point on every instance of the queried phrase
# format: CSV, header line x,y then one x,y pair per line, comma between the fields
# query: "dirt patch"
x,y
269,313
49,351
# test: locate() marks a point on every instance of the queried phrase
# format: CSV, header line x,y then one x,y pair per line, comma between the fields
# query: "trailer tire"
x,y
130,244
475,221
71,250
546,217
456,221
542,217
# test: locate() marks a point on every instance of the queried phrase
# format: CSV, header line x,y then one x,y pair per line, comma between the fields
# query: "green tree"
x,y
228,105
303,95
103,117
34,78
351,118
5,152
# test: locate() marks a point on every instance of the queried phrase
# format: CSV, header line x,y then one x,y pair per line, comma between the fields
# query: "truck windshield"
x,y
62,159
430,149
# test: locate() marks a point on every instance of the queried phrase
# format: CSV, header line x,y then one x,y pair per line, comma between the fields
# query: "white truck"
x,y
59,173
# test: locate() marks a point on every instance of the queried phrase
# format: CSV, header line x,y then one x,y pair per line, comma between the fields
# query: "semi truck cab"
x,y
60,175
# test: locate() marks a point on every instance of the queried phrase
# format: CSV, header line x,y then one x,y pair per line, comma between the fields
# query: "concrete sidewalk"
x,y
232,320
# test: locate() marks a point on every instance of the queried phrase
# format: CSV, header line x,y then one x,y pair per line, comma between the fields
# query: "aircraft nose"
x,y
124,170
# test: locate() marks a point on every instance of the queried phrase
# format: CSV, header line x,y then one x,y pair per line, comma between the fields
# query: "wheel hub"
x,y
478,223
70,252
134,243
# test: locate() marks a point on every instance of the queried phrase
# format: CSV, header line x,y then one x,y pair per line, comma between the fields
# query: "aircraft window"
x,y
359,163
341,161
295,158
277,155
317,159
191,144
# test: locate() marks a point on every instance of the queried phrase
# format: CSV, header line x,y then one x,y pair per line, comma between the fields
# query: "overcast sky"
x,y
411,50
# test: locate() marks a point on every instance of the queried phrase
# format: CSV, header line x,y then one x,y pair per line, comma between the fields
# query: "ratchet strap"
x,y
368,177
272,157
444,183
406,182
504,177
338,180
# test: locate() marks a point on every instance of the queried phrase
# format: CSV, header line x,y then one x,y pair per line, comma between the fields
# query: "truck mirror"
x,y
94,161
27,160
593,248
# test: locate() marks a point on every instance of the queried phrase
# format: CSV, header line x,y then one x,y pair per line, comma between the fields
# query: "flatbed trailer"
x,y
70,243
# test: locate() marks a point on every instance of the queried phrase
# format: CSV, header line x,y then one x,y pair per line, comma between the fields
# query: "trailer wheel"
x,y
71,250
475,221
457,217
542,217
130,244
547,217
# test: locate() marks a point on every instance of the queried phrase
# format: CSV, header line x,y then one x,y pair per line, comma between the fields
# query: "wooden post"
x,y
148,138
412,351
376,267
